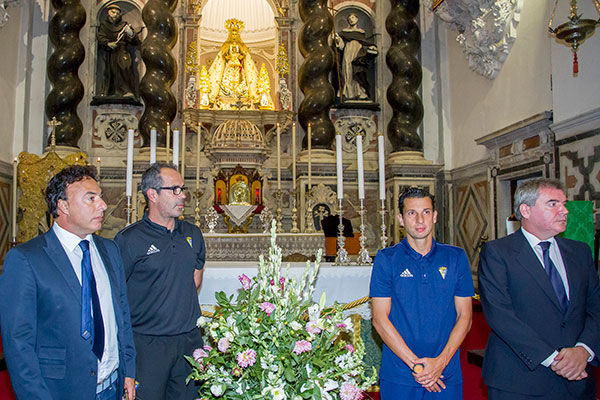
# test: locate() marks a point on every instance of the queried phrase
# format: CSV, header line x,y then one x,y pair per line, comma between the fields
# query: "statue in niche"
x,y
234,78
118,44
356,54
240,194
285,96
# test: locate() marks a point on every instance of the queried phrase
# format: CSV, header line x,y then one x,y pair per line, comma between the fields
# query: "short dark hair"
x,y
151,178
529,191
57,187
414,192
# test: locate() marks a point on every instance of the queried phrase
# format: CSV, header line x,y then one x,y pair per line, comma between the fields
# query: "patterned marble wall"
x,y
579,168
471,217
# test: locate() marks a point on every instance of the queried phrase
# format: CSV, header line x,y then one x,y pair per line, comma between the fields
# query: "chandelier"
x,y
575,30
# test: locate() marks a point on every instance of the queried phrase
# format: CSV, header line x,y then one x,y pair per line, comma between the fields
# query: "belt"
x,y
107,382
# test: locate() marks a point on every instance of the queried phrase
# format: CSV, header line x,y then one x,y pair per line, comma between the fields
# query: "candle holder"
x,y
363,254
342,253
294,212
310,222
13,242
384,237
198,195
128,210
278,194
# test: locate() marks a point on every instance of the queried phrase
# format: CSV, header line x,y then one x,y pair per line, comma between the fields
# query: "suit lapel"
x,y
529,261
110,271
60,259
570,261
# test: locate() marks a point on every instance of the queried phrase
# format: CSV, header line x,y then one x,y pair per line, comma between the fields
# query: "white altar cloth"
x,y
341,284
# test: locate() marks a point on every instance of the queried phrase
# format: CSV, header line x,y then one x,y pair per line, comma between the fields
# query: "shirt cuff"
x,y
548,361
585,346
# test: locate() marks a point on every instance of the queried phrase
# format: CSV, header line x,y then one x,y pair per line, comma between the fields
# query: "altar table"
x,y
341,284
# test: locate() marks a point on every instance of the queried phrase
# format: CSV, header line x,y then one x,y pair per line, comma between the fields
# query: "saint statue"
x,y
240,194
285,96
357,54
117,47
233,75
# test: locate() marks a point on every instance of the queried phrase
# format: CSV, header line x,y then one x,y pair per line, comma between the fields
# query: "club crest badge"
x,y
443,271
190,242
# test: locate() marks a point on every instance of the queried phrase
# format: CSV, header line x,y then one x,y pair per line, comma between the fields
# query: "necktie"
x,y
89,296
555,279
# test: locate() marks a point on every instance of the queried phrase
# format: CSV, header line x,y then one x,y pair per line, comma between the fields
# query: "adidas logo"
x,y
406,274
152,249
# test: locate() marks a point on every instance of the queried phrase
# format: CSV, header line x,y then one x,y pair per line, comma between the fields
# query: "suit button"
x,y
563,325
92,373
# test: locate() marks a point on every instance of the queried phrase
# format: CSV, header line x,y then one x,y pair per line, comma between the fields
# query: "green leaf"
x,y
322,300
290,376
316,393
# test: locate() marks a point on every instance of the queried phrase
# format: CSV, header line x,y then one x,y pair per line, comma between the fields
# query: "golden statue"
x,y
234,79
240,194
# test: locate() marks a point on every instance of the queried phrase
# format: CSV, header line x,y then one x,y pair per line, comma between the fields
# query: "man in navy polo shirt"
x,y
421,298
163,259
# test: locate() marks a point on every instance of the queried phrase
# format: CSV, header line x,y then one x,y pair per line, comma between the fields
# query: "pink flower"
x,y
267,307
302,346
312,327
245,281
341,326
350,391
350,348
223,345
199,354
246,358
207,348
282,282
236,372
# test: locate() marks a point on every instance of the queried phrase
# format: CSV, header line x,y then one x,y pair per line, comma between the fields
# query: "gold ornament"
x,y
283,66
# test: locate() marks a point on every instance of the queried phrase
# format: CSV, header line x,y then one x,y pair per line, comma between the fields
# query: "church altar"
x,y
248,246
341,284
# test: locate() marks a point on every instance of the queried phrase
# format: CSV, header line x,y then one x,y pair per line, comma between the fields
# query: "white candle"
x,y
339,166
182,150
278,157
129,175
309,157
294,156
14,201
359,168
98,169
175,147
198,157
168,145
152,145
381,148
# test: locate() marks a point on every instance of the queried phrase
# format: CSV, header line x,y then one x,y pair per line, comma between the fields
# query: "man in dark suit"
x,y
541,297
64,313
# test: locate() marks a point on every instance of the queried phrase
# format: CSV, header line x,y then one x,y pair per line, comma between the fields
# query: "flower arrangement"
x,y
273,342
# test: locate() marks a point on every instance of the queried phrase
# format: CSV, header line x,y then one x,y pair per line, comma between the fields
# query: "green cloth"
x,y
580,223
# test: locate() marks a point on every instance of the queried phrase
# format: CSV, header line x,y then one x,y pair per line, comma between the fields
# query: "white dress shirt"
x,y
556,258
70,243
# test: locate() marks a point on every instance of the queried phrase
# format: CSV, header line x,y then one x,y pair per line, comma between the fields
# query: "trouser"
x,y
392,391
560,394
161,368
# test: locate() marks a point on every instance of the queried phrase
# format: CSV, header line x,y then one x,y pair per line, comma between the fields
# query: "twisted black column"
x,y
161,69
62,69
406,76
314,73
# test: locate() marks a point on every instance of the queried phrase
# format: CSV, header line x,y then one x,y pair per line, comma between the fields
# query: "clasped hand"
x,y
570,363
431,376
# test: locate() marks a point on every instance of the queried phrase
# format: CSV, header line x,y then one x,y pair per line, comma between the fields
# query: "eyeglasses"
x,y
176,189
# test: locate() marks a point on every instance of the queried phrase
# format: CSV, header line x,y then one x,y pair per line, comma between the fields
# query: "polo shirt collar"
x,y
159,227
416,255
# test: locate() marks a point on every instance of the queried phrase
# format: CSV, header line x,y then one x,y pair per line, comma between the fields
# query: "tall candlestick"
x,y
309,157
198,157
175,147
168,146
381,148
278,157
129,175
359,167
98,169
339,166
182,150
14,202
294,156
153,146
